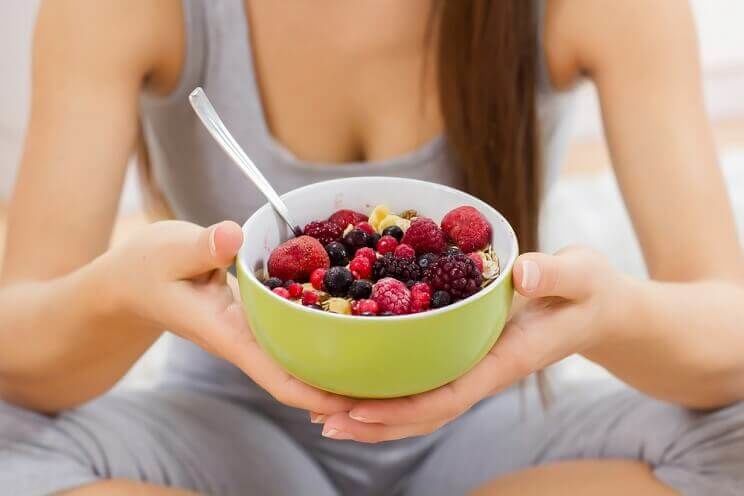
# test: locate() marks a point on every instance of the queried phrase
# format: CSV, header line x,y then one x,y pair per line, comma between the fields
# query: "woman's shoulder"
x,y
122,37
582,35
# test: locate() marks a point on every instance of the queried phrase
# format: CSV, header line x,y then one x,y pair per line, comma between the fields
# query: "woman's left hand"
x,y
570,305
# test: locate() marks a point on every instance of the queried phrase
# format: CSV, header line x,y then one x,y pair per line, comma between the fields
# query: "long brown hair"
x,y
487,55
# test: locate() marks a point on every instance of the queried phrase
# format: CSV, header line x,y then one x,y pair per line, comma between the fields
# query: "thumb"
x,y
215,247
567,274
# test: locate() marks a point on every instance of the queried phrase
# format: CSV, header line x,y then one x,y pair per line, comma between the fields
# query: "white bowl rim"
x,y
503,270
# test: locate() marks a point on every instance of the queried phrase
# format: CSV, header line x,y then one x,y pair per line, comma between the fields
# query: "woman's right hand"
x,y
172,275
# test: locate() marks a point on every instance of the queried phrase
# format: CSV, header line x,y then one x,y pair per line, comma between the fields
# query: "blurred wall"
x,y
719,21
16,23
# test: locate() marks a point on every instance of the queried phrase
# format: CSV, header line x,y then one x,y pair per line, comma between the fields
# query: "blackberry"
x,y
440,299
453,250
337,253
360,290
454,273
393,231
424,261
355,239
273,282
373,239
337,281
401,269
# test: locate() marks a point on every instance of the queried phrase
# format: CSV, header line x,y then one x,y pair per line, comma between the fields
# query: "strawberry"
x,y
467,228
297,258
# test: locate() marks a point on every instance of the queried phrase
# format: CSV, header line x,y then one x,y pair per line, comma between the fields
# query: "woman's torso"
x,y
200,184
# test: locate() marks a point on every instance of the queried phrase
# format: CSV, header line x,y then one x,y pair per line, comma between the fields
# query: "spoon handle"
x,y
211,120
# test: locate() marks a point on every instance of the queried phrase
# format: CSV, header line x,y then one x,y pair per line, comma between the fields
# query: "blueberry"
x,y
359,290
425,260
453,250
288,283
337,253
355,239
372,240
273,282
440,299
393,231
337,280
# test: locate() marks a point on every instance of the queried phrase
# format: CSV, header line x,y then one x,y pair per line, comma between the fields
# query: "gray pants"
x,y
220,446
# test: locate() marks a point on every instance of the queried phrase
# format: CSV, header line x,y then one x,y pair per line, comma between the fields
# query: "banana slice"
x,y
338,305
377,215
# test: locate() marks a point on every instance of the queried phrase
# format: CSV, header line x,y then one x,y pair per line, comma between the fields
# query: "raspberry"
x,y
324,231
467,228
405,251
387,244
273,282
361,268
355,239
365,226
359,289
367,253
440,299
309,298
337,280
398,268
454,273
295,290
420,287
316,278
296,258
420,302
283,292
337,253
394,231
392,296
365,307
343,218
425,236
477,260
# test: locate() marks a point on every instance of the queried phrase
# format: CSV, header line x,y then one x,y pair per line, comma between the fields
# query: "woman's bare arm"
x,y
90,60
682,336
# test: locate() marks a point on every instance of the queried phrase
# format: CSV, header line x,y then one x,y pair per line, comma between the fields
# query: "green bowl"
x,y
373,357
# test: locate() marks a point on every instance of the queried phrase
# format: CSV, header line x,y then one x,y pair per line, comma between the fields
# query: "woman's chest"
x,y
341,81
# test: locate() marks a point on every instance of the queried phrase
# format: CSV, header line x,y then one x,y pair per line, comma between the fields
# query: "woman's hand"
x,y
172,276
569,306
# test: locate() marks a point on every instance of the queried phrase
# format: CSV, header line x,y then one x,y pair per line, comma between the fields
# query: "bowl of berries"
x,y
397,286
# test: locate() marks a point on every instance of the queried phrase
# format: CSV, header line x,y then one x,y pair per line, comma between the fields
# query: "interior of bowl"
x,y
265,230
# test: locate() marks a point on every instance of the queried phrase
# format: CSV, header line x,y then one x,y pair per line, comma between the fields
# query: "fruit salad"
x,y
385,263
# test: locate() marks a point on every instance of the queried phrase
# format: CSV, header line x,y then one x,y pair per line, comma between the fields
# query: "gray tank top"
x,y
201,185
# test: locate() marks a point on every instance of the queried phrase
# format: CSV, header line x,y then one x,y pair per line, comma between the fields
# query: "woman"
x,y
320,90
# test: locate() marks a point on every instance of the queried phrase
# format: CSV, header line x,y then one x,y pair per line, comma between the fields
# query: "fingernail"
x,y
317,418
336,434
212,246
359,418
530,275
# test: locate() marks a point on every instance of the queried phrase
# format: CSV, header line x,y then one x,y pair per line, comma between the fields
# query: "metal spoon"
x,y
208,115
